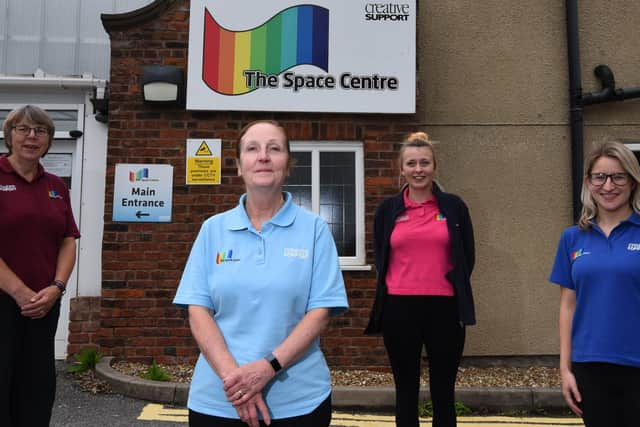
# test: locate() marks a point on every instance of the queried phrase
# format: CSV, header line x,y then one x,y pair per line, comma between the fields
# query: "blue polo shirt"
x,y
259,286
605,274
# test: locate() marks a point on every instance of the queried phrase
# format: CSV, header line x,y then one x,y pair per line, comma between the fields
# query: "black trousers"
x,y
408,324
610,394
27,366
319,417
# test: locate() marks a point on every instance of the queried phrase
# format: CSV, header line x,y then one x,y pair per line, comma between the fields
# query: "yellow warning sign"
x,y
203,170
204,150
203,161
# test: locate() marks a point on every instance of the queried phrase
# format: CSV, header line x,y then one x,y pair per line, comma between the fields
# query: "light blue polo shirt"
x,y
260,285
605,274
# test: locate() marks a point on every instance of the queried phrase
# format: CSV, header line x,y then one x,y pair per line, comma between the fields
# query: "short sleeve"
x,y
71,228
327,284
193,288
561,271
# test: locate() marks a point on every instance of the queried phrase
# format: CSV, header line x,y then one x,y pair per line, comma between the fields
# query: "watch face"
x,y
275,364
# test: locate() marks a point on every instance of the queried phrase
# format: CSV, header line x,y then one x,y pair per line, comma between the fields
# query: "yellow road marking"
x,y
367,420
156,412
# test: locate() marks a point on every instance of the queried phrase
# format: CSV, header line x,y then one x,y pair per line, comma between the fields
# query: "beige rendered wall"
x,y
493,89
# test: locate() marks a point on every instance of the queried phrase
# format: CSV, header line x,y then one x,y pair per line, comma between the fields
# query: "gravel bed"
x,y
534,376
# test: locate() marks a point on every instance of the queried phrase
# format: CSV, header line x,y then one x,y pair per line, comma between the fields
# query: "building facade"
x,y
492,89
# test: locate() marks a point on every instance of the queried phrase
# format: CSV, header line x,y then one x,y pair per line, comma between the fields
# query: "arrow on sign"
x,y
141,214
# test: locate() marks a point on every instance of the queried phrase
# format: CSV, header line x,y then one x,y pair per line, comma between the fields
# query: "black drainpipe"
x,y
575,105
577,101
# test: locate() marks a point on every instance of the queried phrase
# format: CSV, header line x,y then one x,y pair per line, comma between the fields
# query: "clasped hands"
x,y
243,388
37,305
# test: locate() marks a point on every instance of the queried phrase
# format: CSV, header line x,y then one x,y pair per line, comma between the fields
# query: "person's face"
x,y
263,157
418,168
609,196
27,143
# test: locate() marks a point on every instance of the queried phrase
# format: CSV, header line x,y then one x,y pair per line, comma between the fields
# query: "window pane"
x,y
299,181
338,197
64,120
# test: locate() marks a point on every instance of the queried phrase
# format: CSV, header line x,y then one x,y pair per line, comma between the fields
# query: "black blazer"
x,y
462,253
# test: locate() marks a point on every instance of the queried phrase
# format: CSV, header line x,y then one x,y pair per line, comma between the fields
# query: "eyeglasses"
x,y
618,178
26,130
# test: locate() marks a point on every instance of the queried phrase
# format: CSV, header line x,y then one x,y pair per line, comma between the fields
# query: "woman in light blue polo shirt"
x,y
598,268
260,284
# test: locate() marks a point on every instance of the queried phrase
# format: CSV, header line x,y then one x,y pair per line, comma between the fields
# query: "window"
x,y
328,179
635,147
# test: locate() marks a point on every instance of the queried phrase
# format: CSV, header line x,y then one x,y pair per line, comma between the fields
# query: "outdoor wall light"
x,y
100,101
162,84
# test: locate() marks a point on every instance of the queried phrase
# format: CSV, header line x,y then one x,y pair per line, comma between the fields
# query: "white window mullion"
x,y
315,180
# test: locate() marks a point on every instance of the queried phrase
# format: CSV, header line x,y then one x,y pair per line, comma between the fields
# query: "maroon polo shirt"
x,y
35,217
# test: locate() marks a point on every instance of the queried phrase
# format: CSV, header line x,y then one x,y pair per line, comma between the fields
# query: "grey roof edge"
x,y
123,21
373,398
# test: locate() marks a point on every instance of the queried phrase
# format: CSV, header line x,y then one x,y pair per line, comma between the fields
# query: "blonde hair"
x,y
414,139
622,153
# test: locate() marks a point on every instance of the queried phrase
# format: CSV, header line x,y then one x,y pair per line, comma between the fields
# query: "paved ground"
x,y
75,408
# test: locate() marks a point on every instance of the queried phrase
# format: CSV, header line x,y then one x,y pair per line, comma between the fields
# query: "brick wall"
x,y
142,263
84,324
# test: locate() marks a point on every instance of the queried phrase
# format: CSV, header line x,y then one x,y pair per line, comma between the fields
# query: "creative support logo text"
x,y
386,12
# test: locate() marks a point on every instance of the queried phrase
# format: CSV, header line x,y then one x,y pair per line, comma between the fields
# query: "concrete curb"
x,y
376,398
155,391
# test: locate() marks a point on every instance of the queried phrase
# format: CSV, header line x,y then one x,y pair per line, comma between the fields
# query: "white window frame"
x,y
356,262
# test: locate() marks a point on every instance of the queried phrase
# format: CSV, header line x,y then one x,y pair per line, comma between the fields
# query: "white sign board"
x,y
282,55
142,193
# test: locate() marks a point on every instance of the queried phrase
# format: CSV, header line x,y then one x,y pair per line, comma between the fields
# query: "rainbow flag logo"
x,y
137,176
295,36
576,254
223,256
54,195
440,217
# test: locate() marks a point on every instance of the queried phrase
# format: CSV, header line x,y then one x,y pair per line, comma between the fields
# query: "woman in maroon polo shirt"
x,y
37,255
424,250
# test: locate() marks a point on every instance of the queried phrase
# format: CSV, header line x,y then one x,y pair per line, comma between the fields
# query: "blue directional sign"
x,y
142,193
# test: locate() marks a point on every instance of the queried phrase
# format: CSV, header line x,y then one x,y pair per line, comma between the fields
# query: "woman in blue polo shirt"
x,y
260,284
37,255
598,268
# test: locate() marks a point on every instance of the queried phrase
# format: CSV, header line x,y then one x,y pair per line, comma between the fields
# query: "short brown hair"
x,y
248,126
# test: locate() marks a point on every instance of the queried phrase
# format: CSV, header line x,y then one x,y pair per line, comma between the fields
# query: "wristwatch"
x,y
273,361
62,287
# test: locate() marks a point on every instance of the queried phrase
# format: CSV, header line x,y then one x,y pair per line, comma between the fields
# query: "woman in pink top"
x,y
424,249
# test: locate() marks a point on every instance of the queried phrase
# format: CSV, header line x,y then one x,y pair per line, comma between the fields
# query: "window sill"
x,y
365,267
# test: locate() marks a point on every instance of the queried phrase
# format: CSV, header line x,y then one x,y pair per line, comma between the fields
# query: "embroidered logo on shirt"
x,y
9,187
296,253
225,257
440,217
401,218
577,254
54,195
633,247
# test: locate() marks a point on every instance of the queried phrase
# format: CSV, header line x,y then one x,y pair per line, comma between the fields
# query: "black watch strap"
x,y
62,287
275,364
